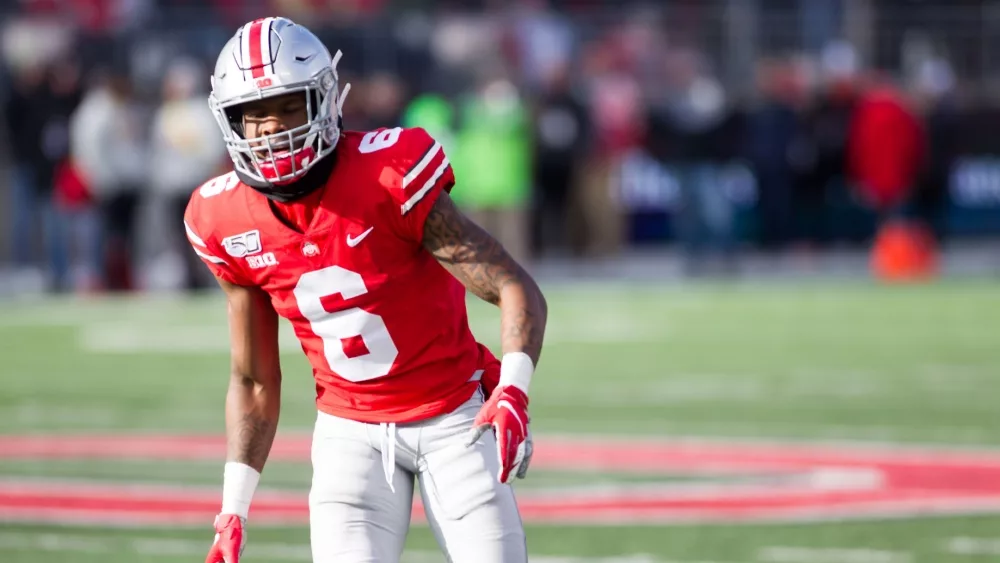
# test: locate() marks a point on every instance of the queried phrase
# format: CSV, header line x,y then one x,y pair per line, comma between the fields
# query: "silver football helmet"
x,y
272,57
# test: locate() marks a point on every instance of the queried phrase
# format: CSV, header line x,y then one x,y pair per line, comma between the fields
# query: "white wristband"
x,y
516,368
238,485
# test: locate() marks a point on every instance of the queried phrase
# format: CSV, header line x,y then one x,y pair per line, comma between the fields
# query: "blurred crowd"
x,y
569,133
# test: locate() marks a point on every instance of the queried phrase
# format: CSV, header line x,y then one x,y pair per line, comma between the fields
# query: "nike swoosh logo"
x,y
354,241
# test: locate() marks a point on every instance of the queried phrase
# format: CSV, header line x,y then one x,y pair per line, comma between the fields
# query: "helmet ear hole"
x,y
234,115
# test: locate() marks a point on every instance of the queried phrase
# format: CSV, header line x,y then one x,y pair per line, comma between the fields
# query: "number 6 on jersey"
x,y
378,140
334,328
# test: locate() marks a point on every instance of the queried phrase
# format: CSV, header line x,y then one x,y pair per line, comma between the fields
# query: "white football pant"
x,y
356,517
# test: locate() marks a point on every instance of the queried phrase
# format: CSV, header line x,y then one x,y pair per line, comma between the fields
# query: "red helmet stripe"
x,y
256,60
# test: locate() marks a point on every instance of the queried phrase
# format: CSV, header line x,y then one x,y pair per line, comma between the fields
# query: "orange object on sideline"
x,y
904,251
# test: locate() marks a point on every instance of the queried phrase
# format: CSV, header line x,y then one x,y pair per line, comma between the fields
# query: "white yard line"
x,y
962,545
788,554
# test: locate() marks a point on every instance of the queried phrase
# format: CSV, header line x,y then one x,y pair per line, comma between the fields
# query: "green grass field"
x,y
804,363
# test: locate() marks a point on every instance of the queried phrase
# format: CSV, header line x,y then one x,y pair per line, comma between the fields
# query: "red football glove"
x,y
506,412
229,540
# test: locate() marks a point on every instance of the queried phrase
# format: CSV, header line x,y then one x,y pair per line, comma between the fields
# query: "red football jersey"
x,y
383,324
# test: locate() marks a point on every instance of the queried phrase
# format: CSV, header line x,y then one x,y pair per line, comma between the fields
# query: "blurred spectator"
x,y
616,115
37,114
773,129
494,155
560,141
25,113
827,124
934,94
686,127
108,144
186,149
73,226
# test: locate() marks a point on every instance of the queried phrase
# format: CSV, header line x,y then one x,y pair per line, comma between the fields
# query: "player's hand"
x,y
506,412
229,539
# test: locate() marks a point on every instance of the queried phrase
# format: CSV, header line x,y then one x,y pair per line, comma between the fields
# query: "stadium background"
x,y
719,198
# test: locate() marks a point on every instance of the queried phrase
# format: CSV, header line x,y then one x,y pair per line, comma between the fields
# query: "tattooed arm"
x,y
485,268
480,262
254,396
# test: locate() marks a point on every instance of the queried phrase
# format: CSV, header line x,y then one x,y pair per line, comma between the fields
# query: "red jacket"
x,y
69,187
886,147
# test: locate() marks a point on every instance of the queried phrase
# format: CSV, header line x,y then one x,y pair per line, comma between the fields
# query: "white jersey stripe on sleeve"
x,y
209,257
406,207
194,238
412,174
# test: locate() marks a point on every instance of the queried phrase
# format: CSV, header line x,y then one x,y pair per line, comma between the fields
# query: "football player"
x,y
353,238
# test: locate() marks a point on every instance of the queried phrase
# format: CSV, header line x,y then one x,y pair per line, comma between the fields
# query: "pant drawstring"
x,y
388,447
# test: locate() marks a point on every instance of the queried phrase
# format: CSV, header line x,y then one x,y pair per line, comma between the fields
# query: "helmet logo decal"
x,y
256,50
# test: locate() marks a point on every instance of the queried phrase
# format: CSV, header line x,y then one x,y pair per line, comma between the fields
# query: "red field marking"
x,y
776,482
